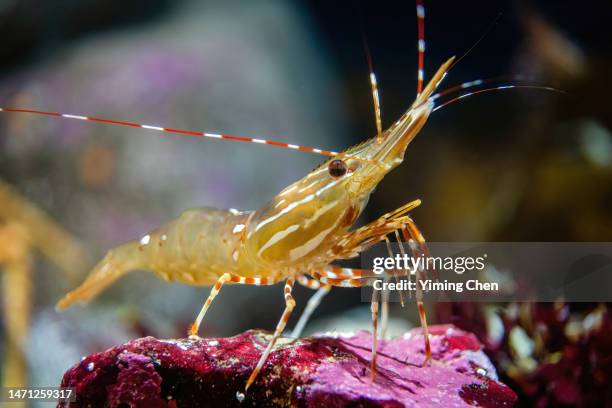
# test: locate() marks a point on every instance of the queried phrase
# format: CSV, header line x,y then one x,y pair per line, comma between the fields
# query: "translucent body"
x,y
304,228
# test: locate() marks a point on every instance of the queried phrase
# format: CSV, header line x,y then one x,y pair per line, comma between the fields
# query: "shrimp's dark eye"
x,y
337,168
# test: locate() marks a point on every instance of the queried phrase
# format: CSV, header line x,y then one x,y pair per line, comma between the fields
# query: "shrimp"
x,y
297,235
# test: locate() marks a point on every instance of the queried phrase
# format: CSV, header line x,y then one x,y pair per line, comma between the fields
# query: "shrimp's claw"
x,y
115,264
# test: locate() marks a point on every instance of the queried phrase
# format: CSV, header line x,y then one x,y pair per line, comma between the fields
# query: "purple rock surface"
x,y
328,370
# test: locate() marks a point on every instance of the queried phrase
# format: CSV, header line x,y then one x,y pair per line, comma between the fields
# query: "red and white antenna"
x,y
175,131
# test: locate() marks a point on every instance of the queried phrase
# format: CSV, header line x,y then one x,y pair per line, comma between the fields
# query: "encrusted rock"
x,y
330,370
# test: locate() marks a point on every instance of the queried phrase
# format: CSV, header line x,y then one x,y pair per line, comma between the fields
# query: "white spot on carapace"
x,y
238,228
239,396
213,343
145,240
90,366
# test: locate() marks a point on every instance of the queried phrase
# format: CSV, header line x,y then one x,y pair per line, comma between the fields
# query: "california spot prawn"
x,y
298,234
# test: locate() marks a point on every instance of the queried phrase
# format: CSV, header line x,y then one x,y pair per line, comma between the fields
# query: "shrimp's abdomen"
x,y
197,247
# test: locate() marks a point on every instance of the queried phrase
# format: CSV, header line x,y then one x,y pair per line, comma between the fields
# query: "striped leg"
x,y
384,312
313,302
226,277
354,242
289,305
343,282
339,273
307,282
416,234
384,321
374,309
409,233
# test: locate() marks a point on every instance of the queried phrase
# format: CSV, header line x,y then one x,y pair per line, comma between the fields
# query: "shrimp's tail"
x,y
114,265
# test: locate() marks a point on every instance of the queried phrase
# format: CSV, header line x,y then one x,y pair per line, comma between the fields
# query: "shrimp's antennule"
x,y
375,94
174,131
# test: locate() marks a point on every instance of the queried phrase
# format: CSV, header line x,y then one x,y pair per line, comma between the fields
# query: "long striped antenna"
x,y
420,9
177,131
375,94
497,88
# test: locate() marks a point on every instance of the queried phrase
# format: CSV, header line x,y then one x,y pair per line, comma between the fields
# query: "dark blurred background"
x,y
515,165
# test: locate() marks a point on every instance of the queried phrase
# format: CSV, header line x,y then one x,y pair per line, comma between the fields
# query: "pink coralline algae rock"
x,y
322,371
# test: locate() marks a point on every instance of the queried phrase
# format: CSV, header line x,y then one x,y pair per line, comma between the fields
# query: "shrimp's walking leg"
x,y
195,327
385,297
313,302
376,231
354,242
226,277
384,311
412,232
374,309
289,305
416,234
343,277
